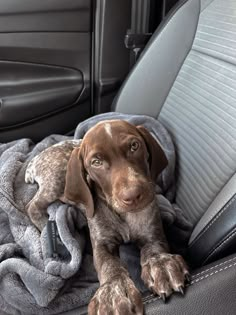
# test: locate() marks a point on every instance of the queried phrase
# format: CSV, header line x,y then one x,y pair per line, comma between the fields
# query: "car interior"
x,y
62,62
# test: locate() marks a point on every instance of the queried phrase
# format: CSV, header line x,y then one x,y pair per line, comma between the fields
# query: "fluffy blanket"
x,y
32,280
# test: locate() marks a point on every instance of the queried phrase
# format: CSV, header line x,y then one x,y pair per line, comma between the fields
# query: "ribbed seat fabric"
x,y
200,111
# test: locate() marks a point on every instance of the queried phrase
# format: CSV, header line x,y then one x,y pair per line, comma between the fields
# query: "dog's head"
x,y
119,163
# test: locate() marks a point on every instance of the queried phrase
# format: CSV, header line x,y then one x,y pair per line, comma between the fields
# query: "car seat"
x,y
186,77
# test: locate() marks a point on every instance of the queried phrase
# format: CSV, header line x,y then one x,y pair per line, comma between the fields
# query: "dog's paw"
x,y
117,297
164,274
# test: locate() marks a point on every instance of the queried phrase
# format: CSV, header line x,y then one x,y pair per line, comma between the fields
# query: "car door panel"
x,y
31,90
44,15
45,66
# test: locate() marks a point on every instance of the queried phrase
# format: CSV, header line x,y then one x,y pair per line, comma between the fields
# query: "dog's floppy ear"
x,y
157,157
76,187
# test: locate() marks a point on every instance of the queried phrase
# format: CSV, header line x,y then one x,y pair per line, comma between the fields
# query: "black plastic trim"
x,y
217,239
111,58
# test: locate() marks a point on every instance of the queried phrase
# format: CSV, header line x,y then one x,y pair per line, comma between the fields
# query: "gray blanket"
x,y
33,282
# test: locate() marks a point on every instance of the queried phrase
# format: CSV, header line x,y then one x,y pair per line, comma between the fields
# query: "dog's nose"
x,y
131,196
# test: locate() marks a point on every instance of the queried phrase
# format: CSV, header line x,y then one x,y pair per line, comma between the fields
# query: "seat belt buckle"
x,y
136,42
133,41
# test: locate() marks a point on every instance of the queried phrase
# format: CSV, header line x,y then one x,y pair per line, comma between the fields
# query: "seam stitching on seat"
x,y
204,271
212,273
197,280
219,245
214,220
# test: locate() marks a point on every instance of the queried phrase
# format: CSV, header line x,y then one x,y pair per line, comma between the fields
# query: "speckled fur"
x,y
48,169
113,222
162,272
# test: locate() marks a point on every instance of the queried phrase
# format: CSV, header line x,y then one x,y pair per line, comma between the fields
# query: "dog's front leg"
x,y
117,293
162,272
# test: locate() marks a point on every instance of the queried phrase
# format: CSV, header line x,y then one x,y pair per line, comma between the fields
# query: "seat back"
x,y
200,111
191,87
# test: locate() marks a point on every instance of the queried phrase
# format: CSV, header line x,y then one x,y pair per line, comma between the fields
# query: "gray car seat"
x,y
186,77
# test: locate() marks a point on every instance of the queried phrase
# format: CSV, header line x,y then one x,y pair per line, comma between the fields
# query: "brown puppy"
x,y
112,176
118,163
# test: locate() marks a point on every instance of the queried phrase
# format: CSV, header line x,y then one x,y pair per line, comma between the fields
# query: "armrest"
x,y
211,291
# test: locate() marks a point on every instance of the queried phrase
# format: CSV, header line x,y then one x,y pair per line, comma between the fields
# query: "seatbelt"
x,y
146,15
138,35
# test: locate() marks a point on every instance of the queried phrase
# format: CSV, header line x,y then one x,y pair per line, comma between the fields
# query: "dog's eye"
x,y
96,162
134,146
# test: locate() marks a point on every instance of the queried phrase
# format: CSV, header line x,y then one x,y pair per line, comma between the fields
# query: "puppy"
x,y
112,176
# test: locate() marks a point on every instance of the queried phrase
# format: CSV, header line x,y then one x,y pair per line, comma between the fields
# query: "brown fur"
x,y
112,175
121,175
48,169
